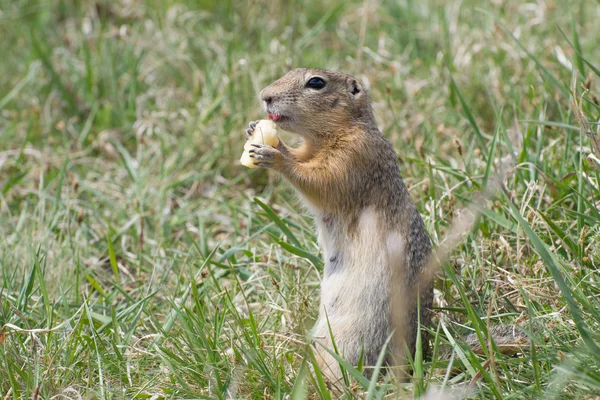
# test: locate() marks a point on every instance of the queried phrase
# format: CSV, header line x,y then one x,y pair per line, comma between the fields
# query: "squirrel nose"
x,y
266,96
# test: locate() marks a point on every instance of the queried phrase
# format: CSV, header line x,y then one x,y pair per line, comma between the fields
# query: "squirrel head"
x,y
316,103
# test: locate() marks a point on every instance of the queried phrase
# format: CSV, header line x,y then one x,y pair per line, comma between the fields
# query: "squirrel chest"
x,y
356,264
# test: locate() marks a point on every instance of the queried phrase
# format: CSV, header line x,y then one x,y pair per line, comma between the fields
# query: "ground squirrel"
x,y
347,174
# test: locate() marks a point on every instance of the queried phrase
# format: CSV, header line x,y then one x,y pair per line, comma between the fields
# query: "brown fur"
x,y
373,239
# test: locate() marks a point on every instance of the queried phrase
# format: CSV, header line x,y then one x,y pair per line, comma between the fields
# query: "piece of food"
x,y
265,132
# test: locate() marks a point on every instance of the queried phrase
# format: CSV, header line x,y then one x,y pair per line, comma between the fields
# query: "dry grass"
x,y
135,263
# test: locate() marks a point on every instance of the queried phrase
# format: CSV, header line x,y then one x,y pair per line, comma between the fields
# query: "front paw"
x,y
265,156
250,130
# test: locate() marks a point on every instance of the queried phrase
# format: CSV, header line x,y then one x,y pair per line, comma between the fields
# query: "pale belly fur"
x,y
355,288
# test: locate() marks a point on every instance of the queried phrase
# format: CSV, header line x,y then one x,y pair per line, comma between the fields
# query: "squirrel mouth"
x,y
274,117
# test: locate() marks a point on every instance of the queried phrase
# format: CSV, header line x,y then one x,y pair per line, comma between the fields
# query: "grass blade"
x,y
579,55
111,255
470,117
560,86
299,388
318,27
278,221
33,70
371,390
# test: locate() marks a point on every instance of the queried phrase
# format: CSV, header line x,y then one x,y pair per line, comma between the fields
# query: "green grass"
x,y
135,262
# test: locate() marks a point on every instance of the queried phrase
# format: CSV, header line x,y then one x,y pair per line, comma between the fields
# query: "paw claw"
x,y
264,156
250,130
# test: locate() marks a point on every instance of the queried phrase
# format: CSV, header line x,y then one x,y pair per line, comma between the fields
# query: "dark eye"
x,y
315,83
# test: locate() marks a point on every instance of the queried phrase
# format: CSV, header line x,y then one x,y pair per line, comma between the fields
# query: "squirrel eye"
x,y
315,83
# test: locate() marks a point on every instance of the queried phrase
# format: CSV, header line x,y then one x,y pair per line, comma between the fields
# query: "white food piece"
x,y
265,132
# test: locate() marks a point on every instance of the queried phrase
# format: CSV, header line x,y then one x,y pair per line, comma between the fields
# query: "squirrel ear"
x,y
354,87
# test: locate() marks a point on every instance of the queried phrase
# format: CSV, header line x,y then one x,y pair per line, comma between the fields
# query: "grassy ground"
x,y
136,264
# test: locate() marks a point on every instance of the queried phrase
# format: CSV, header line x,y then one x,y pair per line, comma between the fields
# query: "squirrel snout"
x,y
266,96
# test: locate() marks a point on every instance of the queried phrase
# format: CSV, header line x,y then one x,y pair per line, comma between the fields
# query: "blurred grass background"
x,y
136,264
